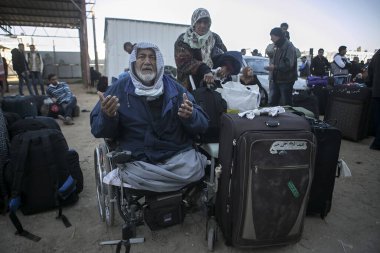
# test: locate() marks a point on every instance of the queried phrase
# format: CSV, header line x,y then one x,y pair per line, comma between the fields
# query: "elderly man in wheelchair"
x,y
153,121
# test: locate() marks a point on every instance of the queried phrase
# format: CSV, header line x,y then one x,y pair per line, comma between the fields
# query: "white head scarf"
x,y
154,91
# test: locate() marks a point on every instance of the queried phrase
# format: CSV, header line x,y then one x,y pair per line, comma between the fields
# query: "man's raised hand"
x,y
109,104
186,109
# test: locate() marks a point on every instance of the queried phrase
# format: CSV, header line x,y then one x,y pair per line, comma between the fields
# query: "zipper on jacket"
x,y
128,100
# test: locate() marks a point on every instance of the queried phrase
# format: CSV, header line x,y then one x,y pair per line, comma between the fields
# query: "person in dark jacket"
x,y
155,118
21,67
374,82
195,49
284,68
319,64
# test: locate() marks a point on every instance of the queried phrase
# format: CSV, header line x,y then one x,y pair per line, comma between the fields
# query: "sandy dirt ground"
x,y
353,225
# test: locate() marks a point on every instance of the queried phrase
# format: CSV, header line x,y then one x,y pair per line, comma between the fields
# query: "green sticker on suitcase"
x,y
293,189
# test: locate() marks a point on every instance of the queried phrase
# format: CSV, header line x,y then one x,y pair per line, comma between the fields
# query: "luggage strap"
x,y
20,230
47,150
126,244
62,217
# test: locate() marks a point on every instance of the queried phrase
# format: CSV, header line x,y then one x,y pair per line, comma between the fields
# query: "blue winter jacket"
x,y
135,129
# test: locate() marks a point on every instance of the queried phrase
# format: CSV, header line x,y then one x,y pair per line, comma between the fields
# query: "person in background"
x,y
94,75
243,51
21,67
255,52
284,68
5,81
248,78
285,27
374,82
319,64
35,66
355,68
128,47
61,94
340,66
304,68
155,118
269,51
2,77
195,49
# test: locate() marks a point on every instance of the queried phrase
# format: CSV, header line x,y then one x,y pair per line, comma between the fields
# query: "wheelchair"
x,y
132,204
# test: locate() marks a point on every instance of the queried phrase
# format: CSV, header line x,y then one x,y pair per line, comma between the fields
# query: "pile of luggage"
x,y
38,171
27,106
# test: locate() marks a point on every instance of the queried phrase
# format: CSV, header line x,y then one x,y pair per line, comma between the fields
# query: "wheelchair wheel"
x,y
212,233
211,238
104,191
99,185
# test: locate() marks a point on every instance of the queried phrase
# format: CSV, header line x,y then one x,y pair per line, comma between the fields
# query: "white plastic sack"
x,y
238,97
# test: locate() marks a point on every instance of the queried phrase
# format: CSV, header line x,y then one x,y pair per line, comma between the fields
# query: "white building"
x,y
119,31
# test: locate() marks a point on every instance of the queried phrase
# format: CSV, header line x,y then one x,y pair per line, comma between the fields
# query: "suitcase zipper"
x,y
230,180
290,167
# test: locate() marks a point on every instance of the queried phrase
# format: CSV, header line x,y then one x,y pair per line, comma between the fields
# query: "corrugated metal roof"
x,y
43,13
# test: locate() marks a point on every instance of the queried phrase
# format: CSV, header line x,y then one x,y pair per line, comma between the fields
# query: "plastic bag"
x,y
238,97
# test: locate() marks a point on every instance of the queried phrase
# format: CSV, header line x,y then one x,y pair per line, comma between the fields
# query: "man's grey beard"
x,y
145,78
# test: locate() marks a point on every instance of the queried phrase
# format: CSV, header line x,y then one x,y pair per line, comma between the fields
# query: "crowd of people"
x,y
201,58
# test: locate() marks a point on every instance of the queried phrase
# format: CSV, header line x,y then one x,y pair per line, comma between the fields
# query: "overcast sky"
x,y
246,23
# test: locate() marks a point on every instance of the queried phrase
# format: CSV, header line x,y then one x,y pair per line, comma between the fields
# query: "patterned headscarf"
x,y
156,89
198,14
205,42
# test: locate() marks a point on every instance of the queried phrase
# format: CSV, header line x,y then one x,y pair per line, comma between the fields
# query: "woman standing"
x,y
195,49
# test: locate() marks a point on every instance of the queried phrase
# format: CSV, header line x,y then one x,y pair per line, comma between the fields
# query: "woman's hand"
x,y
208,78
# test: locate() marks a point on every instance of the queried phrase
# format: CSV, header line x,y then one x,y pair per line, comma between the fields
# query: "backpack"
x,y
39,176
214,105
29,124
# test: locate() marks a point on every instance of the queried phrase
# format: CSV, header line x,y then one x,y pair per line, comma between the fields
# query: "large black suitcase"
x,y
308,100
325,170
22,105
348,110
322,93
267,168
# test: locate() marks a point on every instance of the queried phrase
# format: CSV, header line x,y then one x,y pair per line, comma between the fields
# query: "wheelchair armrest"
x,y
211,148
120,157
